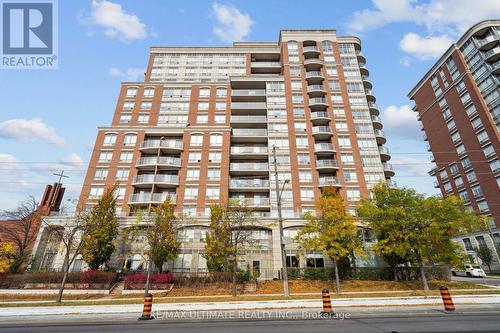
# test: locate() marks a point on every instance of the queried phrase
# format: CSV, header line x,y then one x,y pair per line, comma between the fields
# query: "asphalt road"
x,y
478,320
492,281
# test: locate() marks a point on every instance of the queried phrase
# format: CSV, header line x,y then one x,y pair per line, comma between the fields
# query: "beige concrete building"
x,y
201,128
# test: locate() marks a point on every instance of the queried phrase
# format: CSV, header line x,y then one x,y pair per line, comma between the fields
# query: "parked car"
x,y
470,270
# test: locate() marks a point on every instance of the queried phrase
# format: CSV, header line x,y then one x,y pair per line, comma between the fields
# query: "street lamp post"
x,y
284,270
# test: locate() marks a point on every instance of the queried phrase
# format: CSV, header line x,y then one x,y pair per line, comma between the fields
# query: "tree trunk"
x,y
422,275
395,272
489,267
233,286
65,277
337,279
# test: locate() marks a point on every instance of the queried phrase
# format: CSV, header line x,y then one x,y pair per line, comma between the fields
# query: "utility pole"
x,y
284,270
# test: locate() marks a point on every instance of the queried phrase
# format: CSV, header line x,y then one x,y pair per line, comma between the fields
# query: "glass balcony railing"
x,y
376,119
249,166
319,147
310,49
166,179
151,197
315,87
175,144
164,160
383,150
248,183
248,119
314,74
318,100
248,105
328,181
248,92
249,132
266,64
253,202
249,150
321,130
319,115
379,133
387,167
326,164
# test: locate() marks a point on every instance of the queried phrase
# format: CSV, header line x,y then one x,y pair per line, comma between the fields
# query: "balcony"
x,y
380,136
315,90
363,70
163,162
493,54
243,168
326,165
391,183
313,50
384,153
313,64
488,42
265,67
314,77
249,121
249,135
366,82
322,132
320,118
251,185
328,181
370,97
159,180
388,170
167,146
373,108
361,57
248,92
151,198
248,107
318,104
324,149
254,203
250,152
377,122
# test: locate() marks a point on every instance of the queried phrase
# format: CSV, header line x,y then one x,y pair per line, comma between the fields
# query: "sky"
x,y
49,118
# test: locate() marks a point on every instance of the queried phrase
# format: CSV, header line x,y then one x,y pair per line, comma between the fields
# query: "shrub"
x,y
97,277
133,281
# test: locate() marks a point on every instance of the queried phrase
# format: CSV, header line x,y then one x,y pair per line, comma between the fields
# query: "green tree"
x,y
417,228
218,239
98,242
485,254
333,231
161,235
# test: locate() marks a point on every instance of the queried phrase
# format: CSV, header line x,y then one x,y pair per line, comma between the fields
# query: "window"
x,y
435,85
460,149
109,139
334,84
327,46
304,158
456,137
213,193
96,192
471,110
344,142
341,126
202,105
215,157
468,244
298,112
477,191
339,112
305,175
122,173
126,156
451,125
221,92
446,114
131,92
296,85
193,174
302,142
353,194
297,98
483,207
454,169
482,136
202,118
213,174
464,195
216,140
476,123
443,174
466,163
100,173
105,156
143,118
194,156
495,165
465,98
471,176
120,192
447,187
350,176
331,71
129,139
146,105
191,192
488,151
347,159
125,118
196,140
337,98
128,105
459,182
220,118
460,86
307,194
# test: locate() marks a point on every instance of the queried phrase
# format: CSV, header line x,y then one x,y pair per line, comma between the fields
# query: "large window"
x,y
196,140
129,139
109,139
216,140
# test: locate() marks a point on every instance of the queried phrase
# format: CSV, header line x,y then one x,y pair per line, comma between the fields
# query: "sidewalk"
x,y
249,305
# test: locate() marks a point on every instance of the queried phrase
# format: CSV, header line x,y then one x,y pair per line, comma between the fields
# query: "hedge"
x,y
89,278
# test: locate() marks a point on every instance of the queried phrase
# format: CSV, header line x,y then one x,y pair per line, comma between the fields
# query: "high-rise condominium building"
x,y
458,102
202,129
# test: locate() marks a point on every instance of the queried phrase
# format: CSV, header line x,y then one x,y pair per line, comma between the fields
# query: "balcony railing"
x,y
379,133
321,130
151,197
372,105
249,201
318,100
248,119
248,92
164,160
248,105
319,115
320,147
249,150
310,49
248,183
235,166
383,150
314,74
266,64
328,181
326,164
387,166
175,144
165,179
315,87
376,119
249,132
